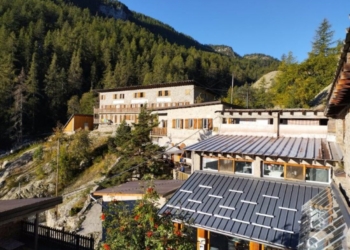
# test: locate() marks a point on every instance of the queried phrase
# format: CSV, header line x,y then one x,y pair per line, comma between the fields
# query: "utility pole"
x,y
58,152
247,96
232,87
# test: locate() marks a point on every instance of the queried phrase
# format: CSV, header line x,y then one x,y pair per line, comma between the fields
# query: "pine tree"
x,y
323,39
75,74
18,108
32,92
138,155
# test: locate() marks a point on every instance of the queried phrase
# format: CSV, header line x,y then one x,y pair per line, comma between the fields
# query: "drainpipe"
x,y
276,123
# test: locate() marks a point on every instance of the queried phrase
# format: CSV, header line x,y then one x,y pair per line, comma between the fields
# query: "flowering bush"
x,y
140,227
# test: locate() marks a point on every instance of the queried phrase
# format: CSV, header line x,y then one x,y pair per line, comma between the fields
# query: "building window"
x,y
139,94
300,172
178,123
189,123
103,97
122,96
224,120
115,96
210,163
295,172
163,93
317,174
205,123
226,165
243,167
273,170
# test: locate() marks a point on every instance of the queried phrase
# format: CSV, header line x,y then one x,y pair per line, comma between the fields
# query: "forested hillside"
x,y
53,53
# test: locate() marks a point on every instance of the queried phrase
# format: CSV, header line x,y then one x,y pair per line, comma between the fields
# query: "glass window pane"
x,y
317,174
210,164
295,172
226,165
243,167
273,170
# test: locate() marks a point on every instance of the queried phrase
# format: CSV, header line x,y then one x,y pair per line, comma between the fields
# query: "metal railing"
x,y
60,237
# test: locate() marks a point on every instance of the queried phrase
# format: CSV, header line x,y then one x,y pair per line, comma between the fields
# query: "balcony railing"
x,y
159,132
116,110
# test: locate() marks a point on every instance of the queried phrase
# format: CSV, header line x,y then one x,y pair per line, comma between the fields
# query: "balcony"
x,y
159,132
117,110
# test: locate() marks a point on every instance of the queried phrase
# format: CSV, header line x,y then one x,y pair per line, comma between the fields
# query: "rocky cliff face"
x,y
225,50
111,11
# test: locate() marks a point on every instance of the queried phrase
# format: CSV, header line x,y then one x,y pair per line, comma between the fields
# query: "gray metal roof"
x,y
248,208
290,147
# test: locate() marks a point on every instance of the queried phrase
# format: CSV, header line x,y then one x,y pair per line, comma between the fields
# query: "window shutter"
x,y
186,123
200,123
174,121
194,123
210,124
181,123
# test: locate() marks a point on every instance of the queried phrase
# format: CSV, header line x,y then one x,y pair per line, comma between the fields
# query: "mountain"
x,y
259,56
225,50
54,53
266,80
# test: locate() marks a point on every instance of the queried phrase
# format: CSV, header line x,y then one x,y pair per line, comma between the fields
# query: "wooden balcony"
x,y
159,132
117,110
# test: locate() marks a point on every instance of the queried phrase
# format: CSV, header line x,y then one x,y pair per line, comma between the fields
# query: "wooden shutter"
x,y
210,124
174,122
194,123
200,123
181,123
186,124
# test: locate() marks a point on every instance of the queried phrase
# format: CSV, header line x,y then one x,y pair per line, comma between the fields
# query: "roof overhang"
x,y
317,149
13,210
339,95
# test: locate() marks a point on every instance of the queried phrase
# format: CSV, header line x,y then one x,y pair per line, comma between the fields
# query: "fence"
x,y
59,237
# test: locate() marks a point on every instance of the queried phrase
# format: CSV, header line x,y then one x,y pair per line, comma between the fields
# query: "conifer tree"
x,y
323,39
138,155
32,92
75,74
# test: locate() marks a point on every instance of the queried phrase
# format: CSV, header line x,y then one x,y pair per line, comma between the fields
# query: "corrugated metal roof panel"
x,y
290,147
245,207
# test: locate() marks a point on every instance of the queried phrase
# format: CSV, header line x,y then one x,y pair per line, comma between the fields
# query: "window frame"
x,y
234,160
304,168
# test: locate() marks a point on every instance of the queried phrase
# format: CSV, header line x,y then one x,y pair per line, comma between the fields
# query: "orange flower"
x,y
149,190
103,216
156,226
149,234
137,217
178,233
106,247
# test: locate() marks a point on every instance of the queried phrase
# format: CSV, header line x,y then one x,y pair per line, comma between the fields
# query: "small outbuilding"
x,y
77,122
